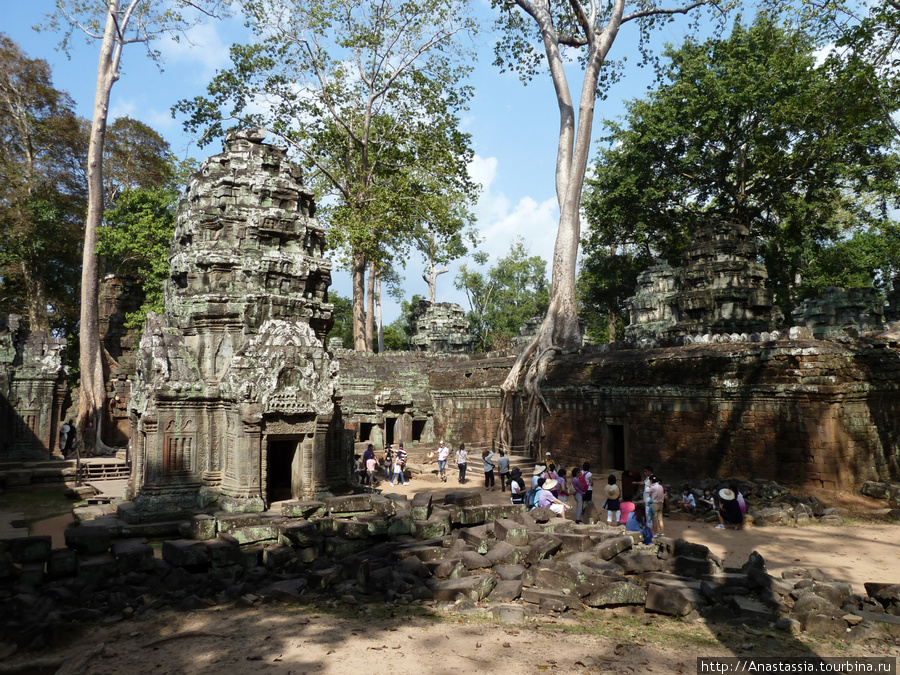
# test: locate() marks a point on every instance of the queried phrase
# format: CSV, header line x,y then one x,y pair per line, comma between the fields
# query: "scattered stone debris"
x,y
365,548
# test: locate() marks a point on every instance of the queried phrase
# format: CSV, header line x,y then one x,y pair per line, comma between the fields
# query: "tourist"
x,y
371,465
729,510
648,471
739,497
707,501
625,508
653,498
462,459
517,487
563,488
687,503
612,501
369,452
358,469
64,436
487,457
580,487
503,468
546,499
388,460
399,465
588,478
637,522
443,452
538,472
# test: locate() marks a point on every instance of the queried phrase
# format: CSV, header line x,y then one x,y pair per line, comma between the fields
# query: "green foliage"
x,y
607,278
506,296
747,129
368,96
136,241
398,332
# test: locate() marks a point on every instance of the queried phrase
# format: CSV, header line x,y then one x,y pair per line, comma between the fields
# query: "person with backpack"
x,y
546,499
580,487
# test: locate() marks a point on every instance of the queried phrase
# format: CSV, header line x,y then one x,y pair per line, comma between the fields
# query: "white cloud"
x,y
201,45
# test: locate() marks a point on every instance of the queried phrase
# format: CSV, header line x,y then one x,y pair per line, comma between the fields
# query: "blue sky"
x,y
513,126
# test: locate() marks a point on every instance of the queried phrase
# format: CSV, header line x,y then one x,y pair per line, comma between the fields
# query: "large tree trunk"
x,y
370,310
359,300
379,326
559,329
92,393
38,321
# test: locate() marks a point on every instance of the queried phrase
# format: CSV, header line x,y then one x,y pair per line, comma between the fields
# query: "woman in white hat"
x,y
729,510
546,499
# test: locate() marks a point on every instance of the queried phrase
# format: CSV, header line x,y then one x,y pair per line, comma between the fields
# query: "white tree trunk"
x,y
378,314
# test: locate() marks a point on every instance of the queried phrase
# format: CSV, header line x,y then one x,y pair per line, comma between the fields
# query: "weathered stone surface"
x,y
289,591
449,568
473,560
350,529
823,624
255,534
514,614
557,578
462,499
224,551
421,506
694,567
31,574
509,572
275,556
613,547
502,552
96,569
475,588
665,600
510,531
575,542
476,536
25,550
539,596
637,562
185,553
542,515
440,327
301,509
749,608
63,562
339,548
810,603
87,540
302,533
133,555
348,503
437,525
617,593
203,527
423,552
506,591
543,547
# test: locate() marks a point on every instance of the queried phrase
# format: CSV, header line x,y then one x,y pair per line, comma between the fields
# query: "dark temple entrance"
x,y
280,469
616,446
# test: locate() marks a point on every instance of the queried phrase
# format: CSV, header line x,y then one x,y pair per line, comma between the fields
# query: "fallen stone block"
x,y
615,594
748,608
477,537
542,514
224,551
26,550
63,563
87,540
203,527
302,533
421,506
275,556
228,522
423,552
665,600
382,506
557,578
514,614
694,567
810,603
401,523
506,591
463,499
448,568
500,511
472,515
502,552
543,547
822,624
349,503
511,531
96,569
475,588
255,534
339,548
509,572
185,553
302,509
538,596
473,560
350,529
437,525
638,562
289,592
375,525
610,548
133,555
573,543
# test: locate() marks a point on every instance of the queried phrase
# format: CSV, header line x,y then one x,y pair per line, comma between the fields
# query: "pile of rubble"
x,y
366,549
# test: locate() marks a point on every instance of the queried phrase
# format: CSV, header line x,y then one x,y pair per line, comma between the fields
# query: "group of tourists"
x,y
392,463
728,504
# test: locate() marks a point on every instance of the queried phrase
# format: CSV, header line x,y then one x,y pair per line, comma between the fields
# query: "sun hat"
x,y
538,469
726,494
547,454
516,471
550,484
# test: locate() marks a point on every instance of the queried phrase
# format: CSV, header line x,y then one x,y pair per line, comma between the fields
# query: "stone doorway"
x,y
390,424
282,469
615,439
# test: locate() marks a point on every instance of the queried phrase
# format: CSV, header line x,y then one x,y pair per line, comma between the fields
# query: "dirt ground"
x,y
337,638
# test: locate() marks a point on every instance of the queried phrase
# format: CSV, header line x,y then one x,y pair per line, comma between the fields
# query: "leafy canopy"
x,y
750,129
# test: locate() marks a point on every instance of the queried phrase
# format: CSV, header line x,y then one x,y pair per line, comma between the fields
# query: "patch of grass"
x,y
37,503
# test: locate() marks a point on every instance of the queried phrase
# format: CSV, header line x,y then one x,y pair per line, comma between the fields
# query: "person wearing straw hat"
x,y
537,474
729,510
546,499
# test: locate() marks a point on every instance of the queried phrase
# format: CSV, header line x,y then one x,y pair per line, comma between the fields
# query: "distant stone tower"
x,y
235,398
441,327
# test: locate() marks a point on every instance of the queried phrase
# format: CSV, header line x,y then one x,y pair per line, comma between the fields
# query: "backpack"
x,y
531,498
580,483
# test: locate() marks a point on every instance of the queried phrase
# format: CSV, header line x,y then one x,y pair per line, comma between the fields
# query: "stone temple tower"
x,y
235,401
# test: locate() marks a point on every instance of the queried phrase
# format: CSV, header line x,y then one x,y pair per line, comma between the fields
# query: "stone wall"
x,y
825,413
32,392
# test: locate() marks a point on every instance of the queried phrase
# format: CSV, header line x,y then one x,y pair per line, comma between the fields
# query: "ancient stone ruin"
x,y
441,328
234,400
719,289
838,311
32,391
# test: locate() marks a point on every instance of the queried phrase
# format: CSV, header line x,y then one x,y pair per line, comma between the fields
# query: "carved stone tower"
x,y
235,399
